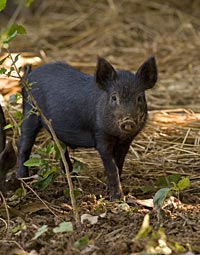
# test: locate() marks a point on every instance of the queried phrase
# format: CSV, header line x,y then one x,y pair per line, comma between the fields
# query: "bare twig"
x,y
45,204
7,213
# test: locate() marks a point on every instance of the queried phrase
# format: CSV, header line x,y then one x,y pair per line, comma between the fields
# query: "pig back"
x,y
66,96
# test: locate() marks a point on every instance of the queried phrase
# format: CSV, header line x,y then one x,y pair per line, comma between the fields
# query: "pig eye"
x,y
114,99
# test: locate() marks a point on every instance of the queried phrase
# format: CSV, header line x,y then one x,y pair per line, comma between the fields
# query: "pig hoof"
x,y
117,196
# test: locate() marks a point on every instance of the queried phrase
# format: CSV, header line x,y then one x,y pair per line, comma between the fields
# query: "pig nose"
x,y
127,124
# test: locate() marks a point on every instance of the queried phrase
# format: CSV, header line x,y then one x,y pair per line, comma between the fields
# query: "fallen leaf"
x,y
64,227
90,218
40,231
143,202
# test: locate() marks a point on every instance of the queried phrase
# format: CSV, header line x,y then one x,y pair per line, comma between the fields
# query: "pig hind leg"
x,y
29,130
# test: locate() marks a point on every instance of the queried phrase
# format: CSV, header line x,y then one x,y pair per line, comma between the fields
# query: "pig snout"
x,y
127,124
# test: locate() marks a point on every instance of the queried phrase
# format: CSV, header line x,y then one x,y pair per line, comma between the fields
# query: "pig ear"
x,y
147,73
105,73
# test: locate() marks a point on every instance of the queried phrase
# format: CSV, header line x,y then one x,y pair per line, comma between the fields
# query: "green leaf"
x,y
49,149
13,31
40,231
165,181
49,172
183,183
34,162
2,4
145,228
44,183
18,115
8,126
160,197
46,175
79,167
19,192
67,193
146,189
10,71
3,70
179,248
29,2
3,59
15,97
173,178
42,152
19,227
57,150
81,243
64,227
15,60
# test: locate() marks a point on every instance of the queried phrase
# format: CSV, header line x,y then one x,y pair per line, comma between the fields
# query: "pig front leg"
x,y
120,151
111,170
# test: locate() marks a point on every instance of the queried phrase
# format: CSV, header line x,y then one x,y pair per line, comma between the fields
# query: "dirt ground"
x,y
126,33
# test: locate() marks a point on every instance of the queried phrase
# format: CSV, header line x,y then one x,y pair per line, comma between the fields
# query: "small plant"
x,y
174,184
82,243
47,171
65,226
154,241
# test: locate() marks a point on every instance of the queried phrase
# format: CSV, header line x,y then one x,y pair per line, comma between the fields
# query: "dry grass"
x,y
126,33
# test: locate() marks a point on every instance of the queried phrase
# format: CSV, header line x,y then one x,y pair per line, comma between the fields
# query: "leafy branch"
x,y
56,140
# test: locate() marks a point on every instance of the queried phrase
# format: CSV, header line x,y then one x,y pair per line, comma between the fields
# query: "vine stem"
x,y
56,140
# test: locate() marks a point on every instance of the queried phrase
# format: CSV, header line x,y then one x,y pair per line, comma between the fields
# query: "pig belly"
x,y
76,138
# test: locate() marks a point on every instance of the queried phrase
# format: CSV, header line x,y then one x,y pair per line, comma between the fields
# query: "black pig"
x,y
105,111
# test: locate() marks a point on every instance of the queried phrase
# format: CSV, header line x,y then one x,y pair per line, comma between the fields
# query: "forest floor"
x,y
167,150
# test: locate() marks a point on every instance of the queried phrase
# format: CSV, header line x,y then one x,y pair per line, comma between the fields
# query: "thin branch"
x,y
45,204
7,213
56,140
